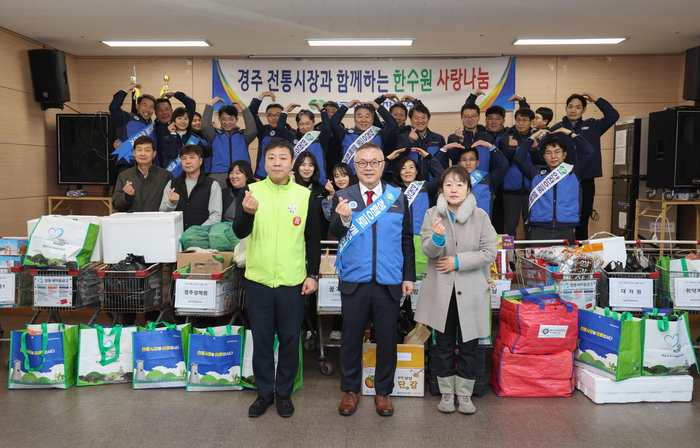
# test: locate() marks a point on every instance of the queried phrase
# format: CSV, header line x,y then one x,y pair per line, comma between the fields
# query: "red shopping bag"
x,y
518,375
538,324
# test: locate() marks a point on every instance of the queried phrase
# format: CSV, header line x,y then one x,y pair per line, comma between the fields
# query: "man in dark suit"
x,y
377,268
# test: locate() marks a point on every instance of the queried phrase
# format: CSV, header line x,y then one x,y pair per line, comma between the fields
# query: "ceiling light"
x,y
402,42
157,43
570,41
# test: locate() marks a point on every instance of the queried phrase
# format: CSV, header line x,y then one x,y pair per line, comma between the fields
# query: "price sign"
x,y
7,289
687,292
195,294
496,294
635,293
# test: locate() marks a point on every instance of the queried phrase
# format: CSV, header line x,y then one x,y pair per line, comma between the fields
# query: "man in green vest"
x,y
283,254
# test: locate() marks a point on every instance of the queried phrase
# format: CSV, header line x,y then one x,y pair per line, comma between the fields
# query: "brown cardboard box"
x,y
204,262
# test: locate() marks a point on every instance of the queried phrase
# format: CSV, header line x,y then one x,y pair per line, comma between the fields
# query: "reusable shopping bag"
x,y
43,358
160,356
214,361
105,355
57,241
247,376
524,375
538,324
610,344
667,348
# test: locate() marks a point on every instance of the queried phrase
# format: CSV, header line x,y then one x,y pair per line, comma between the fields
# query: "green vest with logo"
x,y
276,248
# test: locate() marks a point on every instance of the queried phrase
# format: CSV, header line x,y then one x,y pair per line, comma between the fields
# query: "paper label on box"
x,y
580,292
501,285
636,292
687,292
53,291
328,293
195,293
7,289
552,331
402,356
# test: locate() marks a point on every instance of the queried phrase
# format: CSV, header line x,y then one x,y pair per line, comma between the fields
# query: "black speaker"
x,y
84,150
674,148
691,81
49,77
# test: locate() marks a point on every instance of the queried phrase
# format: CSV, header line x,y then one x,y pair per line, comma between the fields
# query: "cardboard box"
x,y
13,246
97,251
634,390
195,262
409,380
155,235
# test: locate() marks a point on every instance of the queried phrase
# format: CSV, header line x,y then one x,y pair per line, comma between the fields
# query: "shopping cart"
x,y
133,291
210,295
576,288
58,290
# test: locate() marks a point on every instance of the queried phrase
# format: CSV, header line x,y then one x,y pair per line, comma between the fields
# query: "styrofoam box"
x,y
646,388
155,235
97,252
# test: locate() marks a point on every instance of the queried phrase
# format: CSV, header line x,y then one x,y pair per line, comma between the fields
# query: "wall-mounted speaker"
x,y
49,77
84,150
691,81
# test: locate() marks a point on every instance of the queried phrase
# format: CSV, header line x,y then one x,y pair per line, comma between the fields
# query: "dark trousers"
x,y
368,299
514,206
275,310
587,197
449,340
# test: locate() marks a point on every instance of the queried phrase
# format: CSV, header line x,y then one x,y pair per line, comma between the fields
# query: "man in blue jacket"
x,y
376,262
418,135
591,129
555,199
128,124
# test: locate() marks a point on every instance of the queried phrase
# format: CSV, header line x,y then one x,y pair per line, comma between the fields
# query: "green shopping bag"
x,y
59,241
610,344
247,376
44,358
667,346
105,355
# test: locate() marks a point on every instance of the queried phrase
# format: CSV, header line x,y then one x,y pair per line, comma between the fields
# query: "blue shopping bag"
x,y
43,359
159,357
214,362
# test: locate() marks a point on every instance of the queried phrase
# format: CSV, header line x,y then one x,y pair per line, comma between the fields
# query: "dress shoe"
x,y
348,405
260,405
384,406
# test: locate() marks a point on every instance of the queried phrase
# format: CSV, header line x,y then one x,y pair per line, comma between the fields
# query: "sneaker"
x,y
335,335
285,408
260,405
465,405
447,404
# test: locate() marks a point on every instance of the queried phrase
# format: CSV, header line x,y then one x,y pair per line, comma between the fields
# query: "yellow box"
x,y
409,380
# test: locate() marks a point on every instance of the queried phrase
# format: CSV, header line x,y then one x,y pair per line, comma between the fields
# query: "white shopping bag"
x,y
61,242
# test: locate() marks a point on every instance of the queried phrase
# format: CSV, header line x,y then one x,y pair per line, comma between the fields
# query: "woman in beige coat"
x,y
460,244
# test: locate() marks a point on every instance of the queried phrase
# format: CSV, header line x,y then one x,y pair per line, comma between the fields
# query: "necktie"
x,y
369,194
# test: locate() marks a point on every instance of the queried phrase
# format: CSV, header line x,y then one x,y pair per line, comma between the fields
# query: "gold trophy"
x,y
165,88
137,92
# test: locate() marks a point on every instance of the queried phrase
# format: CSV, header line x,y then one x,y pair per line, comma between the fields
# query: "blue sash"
x,y
125,150
175,165
364,220
476,177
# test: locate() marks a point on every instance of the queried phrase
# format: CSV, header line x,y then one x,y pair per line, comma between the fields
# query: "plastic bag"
x,y
195,236
222,238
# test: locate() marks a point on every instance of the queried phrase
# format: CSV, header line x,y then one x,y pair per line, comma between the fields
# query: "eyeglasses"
x,y
522,120
363,163
273,115
470,117
554,152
